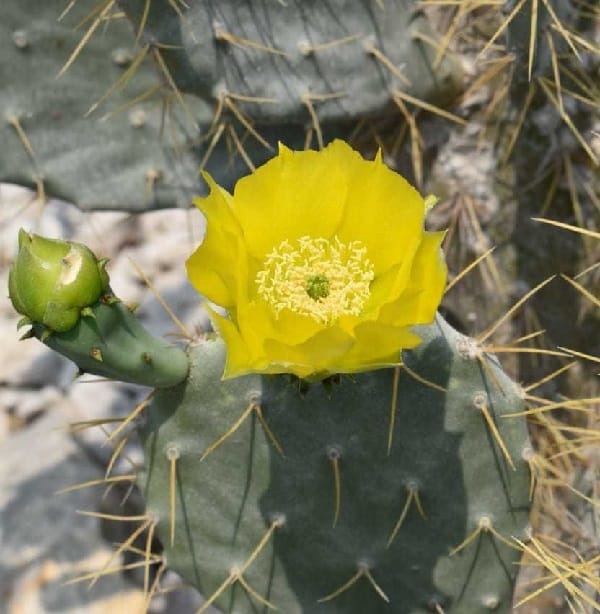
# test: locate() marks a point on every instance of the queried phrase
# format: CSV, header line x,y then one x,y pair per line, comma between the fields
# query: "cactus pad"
x,y
301,506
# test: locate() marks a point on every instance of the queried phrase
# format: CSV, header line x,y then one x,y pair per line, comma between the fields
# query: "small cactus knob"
x,y
52,281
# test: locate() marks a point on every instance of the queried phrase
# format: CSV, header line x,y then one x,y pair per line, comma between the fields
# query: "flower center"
x,y
317,286
317,277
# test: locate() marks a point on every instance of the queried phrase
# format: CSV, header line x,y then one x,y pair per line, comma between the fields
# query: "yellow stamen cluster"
x,y
318,277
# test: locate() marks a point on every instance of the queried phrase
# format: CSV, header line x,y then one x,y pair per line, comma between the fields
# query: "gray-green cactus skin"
x,y
112,343
443,452
345,58
142,155
125,162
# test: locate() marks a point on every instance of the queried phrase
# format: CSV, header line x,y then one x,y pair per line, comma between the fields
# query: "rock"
x,y
44,542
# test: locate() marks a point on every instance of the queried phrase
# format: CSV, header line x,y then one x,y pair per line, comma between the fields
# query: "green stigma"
x,y
317,287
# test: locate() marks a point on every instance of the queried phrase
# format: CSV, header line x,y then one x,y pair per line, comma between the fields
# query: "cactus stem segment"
x,y
480,403
471,470
63,290
362,572
412,495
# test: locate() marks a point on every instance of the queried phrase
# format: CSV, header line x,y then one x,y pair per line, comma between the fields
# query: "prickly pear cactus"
x,y
302,505
337,473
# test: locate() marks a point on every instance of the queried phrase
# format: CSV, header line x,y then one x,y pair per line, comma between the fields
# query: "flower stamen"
x,y
318,277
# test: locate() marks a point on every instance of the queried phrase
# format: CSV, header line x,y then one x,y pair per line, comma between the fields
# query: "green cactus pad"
x,y
147,155
343,59
247,492
92,163
109,341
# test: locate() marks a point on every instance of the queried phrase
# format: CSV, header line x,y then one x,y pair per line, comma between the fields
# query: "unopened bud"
x,y
52,281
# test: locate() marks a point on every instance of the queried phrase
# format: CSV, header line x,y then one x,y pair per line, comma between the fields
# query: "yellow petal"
x,y
377,346
293,195
423,294
319,354
383,210
218,267
238,360
259,322
391,284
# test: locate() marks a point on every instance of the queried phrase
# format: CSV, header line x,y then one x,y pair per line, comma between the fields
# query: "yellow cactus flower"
x,y
321,260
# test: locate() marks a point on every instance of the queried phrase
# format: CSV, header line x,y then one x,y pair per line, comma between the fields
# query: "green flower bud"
x,y
52,281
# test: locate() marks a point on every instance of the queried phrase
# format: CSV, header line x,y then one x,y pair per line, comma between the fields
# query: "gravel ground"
x,y
44,542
